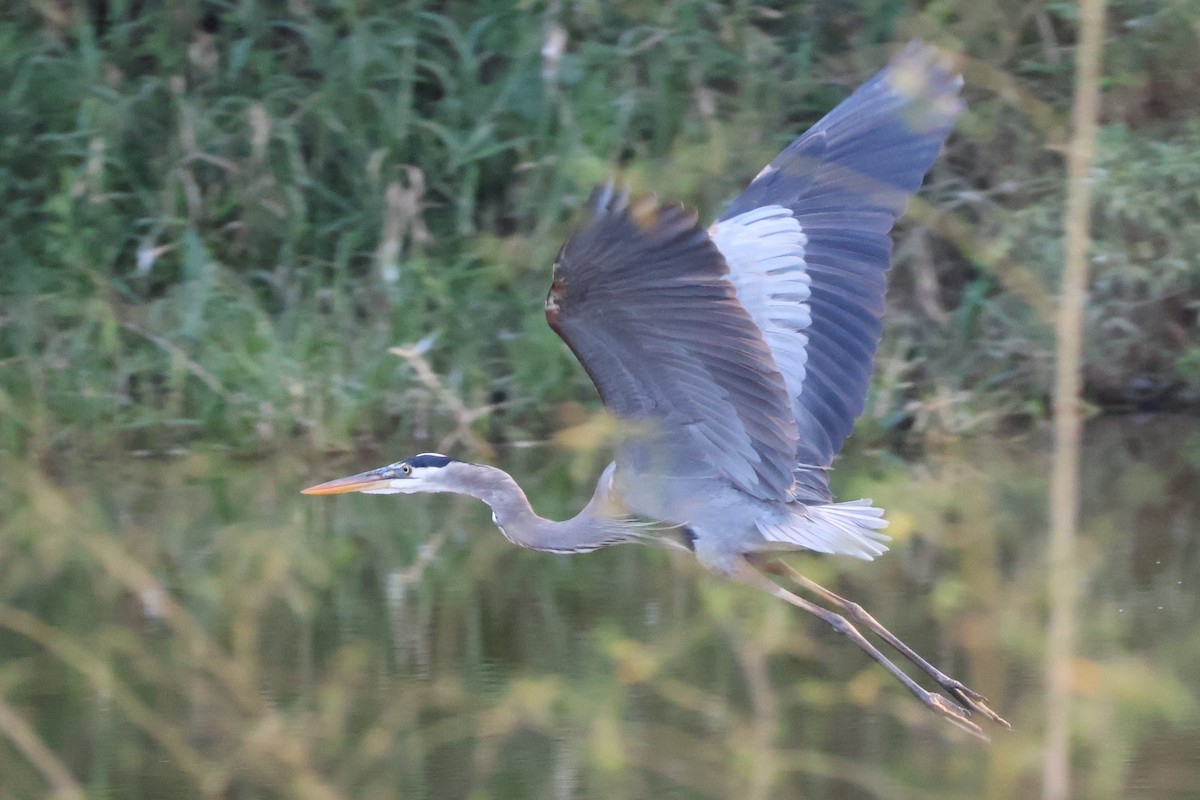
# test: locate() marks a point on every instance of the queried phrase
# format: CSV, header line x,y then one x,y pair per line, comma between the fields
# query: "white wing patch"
x,y
852,529
764,249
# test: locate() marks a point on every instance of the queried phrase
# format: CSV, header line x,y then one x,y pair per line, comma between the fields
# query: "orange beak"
x,y
363,481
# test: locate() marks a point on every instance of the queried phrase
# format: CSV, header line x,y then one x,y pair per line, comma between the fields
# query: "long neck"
x,y
514,516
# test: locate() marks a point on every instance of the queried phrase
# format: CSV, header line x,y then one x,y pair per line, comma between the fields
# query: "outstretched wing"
x,y
641,297
808,248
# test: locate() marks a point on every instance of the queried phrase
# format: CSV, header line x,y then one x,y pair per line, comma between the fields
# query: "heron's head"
x,y
427,472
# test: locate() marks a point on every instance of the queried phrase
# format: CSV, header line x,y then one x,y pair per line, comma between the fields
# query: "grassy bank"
x,y
219,217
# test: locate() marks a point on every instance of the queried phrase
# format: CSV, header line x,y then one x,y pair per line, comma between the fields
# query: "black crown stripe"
x,y
429,460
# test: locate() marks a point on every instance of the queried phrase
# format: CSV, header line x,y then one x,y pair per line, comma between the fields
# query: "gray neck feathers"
x,y
510,507
588,530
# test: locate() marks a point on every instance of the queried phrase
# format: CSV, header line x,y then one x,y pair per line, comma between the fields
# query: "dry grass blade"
x,y
26,740
464,417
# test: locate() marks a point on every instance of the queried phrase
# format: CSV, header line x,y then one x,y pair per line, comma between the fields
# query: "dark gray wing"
x,y
808,248
641,297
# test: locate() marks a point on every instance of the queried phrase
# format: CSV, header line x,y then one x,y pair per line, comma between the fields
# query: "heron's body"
x,y
739,355
721,522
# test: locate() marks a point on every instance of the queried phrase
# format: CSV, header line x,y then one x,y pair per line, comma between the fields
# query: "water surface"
x,y
196,628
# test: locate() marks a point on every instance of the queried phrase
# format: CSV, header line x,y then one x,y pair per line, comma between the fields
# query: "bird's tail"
x,y
853,529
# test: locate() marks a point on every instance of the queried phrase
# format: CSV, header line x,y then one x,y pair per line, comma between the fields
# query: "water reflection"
x,y
196,628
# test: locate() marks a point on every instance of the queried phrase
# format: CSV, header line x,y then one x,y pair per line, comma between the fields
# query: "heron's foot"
x,y
969,701
972,701
956,715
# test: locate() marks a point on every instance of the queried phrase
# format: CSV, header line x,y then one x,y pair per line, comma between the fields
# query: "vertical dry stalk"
x,y
1064,484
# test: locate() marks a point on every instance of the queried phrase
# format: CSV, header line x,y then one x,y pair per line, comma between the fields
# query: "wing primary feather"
x,y
640,295
822,210
750,344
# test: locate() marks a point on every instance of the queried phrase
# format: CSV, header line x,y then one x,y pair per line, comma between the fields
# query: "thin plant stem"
x,y
23,736
1064,484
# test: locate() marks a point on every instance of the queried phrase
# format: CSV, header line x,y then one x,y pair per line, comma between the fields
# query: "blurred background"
x,y
246,246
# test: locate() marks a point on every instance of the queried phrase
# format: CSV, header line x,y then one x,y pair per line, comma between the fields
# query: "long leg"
x,y
745,572
969,698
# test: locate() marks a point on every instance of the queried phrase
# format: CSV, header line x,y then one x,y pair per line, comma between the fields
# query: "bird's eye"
x,y
405,469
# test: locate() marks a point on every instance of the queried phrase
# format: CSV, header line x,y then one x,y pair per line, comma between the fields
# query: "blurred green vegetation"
x,y
218,216
196,629
219,221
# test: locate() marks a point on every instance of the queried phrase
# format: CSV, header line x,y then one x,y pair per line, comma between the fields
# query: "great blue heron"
x,y
740,355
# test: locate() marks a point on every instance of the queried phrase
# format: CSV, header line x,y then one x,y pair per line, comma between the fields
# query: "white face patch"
x,y
416,480
422,474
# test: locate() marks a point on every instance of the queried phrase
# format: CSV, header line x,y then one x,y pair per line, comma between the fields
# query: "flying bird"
x,y
739,356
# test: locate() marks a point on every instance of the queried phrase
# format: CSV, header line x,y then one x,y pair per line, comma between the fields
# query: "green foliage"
x,y
1143,315
218,217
